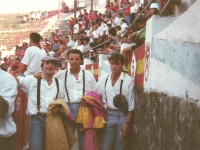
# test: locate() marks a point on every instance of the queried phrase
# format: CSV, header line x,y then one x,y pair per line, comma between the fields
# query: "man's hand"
x,y
38,75
124,131
56,110
83,103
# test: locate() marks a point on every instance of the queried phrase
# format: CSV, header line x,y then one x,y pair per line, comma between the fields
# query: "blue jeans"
x,y
37,131
128,20
112,133
74,109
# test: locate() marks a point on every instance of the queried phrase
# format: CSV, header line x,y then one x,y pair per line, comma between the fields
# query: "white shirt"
x,y
76,28
8,91
123,28
117,22
75,87
32,58
70,43
134,8
124,45
127,90
80,48
47,93
104,28
75,45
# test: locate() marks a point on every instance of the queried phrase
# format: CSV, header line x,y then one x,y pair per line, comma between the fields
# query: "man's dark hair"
x,y
116,57
75,51
66,36
118,27
124,20
82,32
141,19
35,37
87,39
112,31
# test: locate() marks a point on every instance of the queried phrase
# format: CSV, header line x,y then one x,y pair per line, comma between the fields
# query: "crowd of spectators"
x,y
120,29
34,15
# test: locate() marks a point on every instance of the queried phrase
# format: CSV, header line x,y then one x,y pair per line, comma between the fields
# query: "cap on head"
x,y
49,58
154,5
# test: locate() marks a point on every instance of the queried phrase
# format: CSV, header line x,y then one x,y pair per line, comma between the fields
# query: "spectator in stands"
x,y
86,43
24,19
108,11
137,37
102,30
133,9
23,49
55,45
105,49
33,55
85,13
111,45
154,9
126,11
115,6
76,28
77,82
8,93
45,15
16,67
114,45
118,117
125,43
82,34
116,21
69,42
94,34
124,26
100,16
75,41
32,16
37,15
118,29
6,64
17,51
80,46
80,16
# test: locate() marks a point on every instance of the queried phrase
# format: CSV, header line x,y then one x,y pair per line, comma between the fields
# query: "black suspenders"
x,y
120,87
66,84
38,92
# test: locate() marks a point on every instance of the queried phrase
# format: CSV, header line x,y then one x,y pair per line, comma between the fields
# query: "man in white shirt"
x,y
124,26
50,89
77,82
33,55
116,21
76,28
8,93
69,42
118,117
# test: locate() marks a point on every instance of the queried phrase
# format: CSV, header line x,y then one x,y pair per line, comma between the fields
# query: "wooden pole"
x,y
58,10
91,4
75,8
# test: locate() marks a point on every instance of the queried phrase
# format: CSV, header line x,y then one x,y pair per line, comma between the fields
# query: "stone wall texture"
x,y
162,122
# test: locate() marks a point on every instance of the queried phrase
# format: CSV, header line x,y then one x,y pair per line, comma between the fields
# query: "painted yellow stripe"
x,y
140,66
